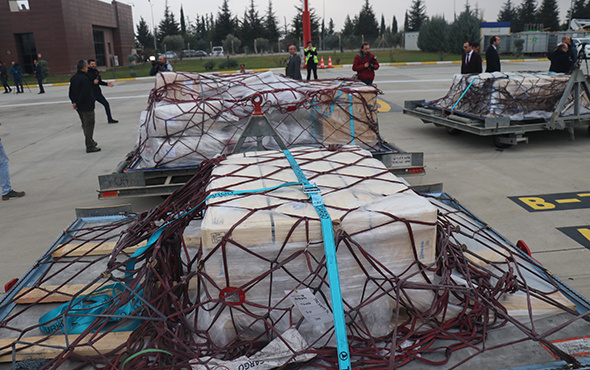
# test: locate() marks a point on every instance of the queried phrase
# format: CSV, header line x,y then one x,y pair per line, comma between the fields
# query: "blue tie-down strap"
x,y
314,194
81,312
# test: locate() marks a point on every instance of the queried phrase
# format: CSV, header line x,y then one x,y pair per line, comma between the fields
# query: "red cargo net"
x,y
471,283
192,117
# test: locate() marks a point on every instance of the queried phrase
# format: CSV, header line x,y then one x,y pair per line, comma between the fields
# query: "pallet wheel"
x,y
500,144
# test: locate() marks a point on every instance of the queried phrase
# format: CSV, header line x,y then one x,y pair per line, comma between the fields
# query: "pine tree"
x,y
297,26
508,12
251,26
548,15
417,15
182,22
431,33
406,22
366,24
527,13
330,27
394,25
224,25
144,37
271,25
383,27
168,26
464,28
348,27
578,10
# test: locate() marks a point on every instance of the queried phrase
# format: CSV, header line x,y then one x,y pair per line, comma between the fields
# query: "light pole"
x,y
153,24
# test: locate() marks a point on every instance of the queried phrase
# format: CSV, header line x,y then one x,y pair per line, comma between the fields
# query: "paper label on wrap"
x,y
312,308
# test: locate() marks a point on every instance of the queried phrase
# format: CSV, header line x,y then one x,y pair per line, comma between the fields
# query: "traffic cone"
x,y
330,62
322,66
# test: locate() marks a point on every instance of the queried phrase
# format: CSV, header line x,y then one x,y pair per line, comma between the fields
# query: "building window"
x,y
109,46
99,48
19,5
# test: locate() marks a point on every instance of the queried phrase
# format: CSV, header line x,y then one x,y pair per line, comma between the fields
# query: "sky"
x,y
335,9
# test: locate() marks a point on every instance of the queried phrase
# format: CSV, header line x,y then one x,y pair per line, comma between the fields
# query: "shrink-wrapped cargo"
x,y
268,245
192,117
517,95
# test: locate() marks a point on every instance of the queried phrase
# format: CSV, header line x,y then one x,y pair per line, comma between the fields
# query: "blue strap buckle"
x,y
311,189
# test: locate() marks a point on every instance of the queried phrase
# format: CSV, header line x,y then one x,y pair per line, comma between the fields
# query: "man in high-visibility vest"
x,y
311,60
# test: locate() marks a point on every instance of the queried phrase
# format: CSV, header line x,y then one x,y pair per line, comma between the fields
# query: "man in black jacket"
x,y
293,68
471,62
97,81
492,56
4,78
39,75
82,100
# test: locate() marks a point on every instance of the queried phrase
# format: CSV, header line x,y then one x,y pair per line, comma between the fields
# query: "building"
x,y
65,31
411,40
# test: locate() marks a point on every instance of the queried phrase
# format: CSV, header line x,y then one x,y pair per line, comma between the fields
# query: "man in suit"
x,y
471,62
39,75
572,50
293,68
82,98
97,82
4,78
492,56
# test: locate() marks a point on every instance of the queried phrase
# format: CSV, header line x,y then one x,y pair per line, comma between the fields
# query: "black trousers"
x,y
312,67
40,81
87,119
5,84
107,108
19,85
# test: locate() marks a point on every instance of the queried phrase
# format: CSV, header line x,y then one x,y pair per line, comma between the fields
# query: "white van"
x,y
217,51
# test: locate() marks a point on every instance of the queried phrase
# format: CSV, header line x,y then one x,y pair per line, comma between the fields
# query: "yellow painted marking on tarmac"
x,y
429,63
584,194
397,64
383,106
537,203
571,200
585,232
261,70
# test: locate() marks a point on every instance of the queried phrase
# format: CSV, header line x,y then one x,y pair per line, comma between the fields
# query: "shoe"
x,y
6,92
94,149
42,92
113,121
13,194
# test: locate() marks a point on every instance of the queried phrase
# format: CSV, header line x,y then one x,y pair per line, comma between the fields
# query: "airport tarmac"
x,y
537,192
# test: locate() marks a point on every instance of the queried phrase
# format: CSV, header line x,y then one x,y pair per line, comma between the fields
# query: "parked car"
x,y
189,53
217,51
170,55
201,53
585,43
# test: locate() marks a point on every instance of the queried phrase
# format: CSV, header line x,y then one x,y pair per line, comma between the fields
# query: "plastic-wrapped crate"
x,y
517,95
192,117
269,245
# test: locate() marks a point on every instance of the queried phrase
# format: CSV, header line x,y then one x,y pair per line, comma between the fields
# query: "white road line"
x,y
67,101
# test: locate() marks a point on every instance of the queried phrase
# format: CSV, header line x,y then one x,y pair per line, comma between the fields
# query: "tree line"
x,y
438,35
256,33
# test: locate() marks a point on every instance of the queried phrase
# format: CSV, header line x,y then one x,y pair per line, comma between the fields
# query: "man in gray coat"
x,y
293,68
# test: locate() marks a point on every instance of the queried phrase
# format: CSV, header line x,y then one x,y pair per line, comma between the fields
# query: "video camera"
x,y
372,62
153,60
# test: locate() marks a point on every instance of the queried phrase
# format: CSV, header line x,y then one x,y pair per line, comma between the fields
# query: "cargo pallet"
x,y
505,132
